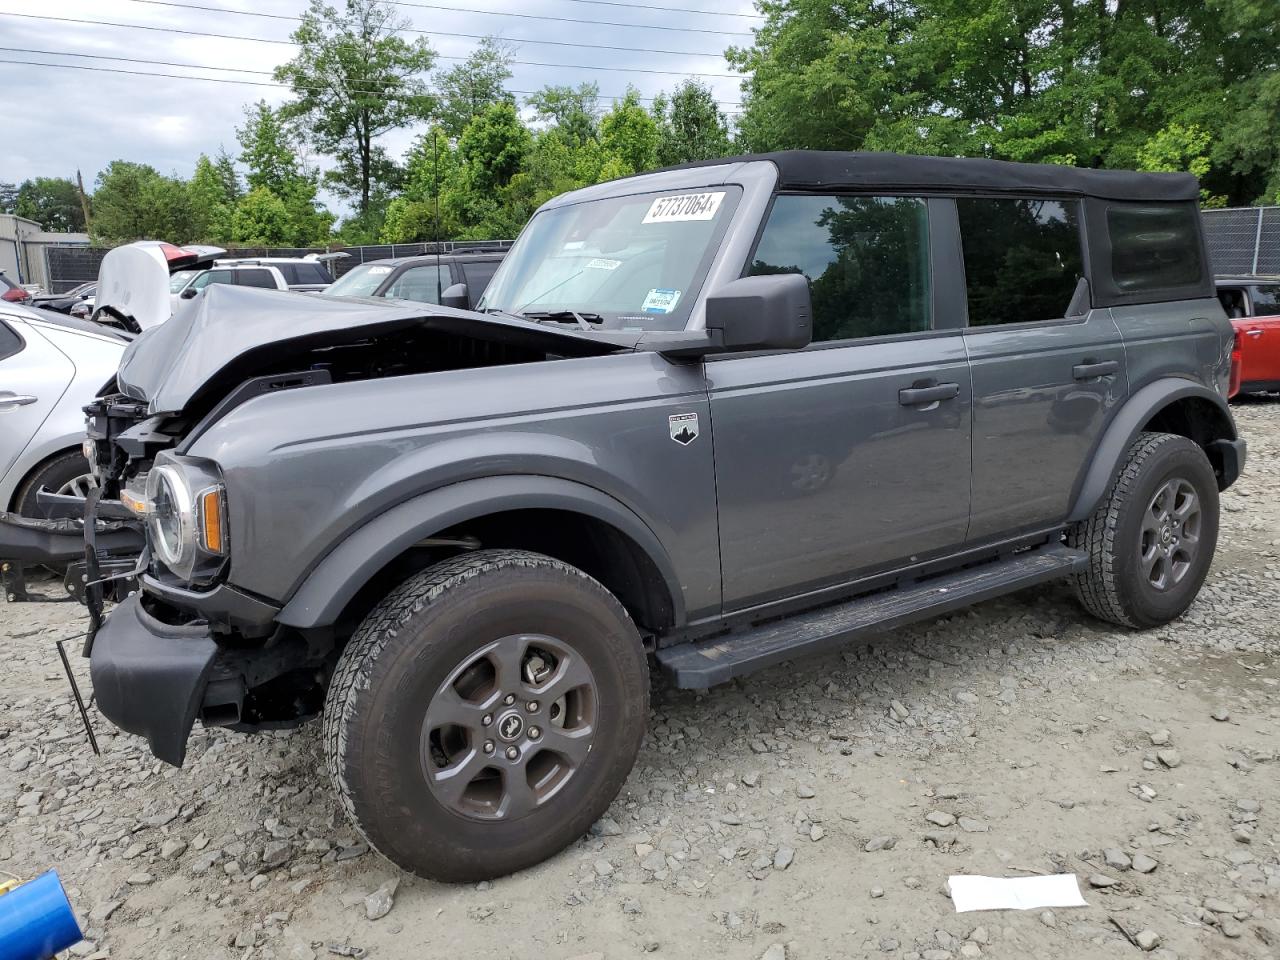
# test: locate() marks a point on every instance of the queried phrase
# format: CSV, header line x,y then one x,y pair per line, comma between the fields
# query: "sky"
x,y
55,120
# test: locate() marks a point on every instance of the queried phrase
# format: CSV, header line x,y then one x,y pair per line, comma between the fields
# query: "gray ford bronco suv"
x,y
708,418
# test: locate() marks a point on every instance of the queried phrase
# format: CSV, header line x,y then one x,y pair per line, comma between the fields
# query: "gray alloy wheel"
x,y
1170,534
80,486
509,727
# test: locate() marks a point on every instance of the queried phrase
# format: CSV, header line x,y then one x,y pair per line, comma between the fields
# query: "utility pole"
x,y
84,200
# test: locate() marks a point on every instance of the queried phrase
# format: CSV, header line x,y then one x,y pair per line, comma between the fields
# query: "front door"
x,y
854,454
34,374
1044,383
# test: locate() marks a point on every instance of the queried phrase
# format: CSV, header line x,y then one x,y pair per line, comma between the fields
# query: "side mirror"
x,y
771,312
456,296
188,294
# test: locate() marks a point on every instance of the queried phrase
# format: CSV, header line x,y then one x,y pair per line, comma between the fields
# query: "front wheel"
x,y
1151,540
485,714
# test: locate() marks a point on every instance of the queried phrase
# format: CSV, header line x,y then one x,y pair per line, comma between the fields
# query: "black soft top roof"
x,y
832,170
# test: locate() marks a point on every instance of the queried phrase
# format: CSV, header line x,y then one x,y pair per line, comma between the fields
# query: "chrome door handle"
x,y
1253,333
10,400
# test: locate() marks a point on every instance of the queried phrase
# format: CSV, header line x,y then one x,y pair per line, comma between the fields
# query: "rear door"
x,y
34,374
1045,383
852,455
1261,336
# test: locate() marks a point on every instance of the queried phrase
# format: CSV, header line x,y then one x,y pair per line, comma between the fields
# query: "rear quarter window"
x,y
309,273
1155,248
10,343
1266,300
255,277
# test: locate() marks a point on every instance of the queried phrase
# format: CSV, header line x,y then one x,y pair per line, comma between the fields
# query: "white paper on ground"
x,y
1014,893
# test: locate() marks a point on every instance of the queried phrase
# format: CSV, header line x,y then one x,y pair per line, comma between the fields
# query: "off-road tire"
x,y
407,646
52,475
1112,586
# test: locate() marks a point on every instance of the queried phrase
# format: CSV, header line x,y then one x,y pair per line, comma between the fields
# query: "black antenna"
x,y
435,144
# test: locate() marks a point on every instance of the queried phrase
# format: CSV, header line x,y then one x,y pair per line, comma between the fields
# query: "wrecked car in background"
x,y
717,416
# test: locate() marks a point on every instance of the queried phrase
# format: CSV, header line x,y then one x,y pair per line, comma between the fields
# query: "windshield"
x,y
179,280
634,261
359,281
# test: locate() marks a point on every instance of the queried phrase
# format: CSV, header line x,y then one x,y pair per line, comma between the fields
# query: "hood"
x,y
133,280
230,334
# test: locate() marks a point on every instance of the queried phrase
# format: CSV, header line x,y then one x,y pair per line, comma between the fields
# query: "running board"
x,y
709,662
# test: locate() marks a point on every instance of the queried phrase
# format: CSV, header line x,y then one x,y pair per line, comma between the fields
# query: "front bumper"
x,y
149,677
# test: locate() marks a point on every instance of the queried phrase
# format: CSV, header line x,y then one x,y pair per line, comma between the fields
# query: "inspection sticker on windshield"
x,y
378,271
660,301
603,263
686,206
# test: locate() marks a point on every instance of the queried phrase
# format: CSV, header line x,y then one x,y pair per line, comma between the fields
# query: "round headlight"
x,y
172,516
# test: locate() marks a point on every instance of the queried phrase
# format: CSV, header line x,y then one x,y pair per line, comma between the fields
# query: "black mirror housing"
x,y
188,294
770,312
456,296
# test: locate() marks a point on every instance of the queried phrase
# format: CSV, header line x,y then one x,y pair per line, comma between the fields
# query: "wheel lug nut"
x,y
488,746
512,753
486,719
509,699
532,706
534,733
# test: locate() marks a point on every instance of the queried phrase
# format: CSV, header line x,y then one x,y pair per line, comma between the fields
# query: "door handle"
x,y
919,396
1090,370
10,400
1253,333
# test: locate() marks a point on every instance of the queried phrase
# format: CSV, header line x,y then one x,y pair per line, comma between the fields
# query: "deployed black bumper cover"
x,y
149,677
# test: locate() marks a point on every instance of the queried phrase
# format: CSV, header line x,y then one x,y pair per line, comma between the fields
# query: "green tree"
x,y
574,111
1179,149
53,202
491,151
690,125
261,219
629,133
225,167
356,78
467,89
133,201
211,203
273,165
8,197
431,163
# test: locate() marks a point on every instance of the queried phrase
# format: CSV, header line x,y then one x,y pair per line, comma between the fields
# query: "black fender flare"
x,y
1125,427
330,586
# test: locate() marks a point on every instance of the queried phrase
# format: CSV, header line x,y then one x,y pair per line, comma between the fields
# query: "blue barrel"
x,y
36,920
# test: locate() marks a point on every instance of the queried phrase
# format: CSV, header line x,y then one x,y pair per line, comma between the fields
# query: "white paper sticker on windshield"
x,y
660,301
575,245
685,206
603,263
378,271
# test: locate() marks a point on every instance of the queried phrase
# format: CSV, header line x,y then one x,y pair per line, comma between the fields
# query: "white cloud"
x,y
58,120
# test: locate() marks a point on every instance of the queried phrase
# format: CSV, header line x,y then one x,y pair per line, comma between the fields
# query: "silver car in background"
x,y
51,366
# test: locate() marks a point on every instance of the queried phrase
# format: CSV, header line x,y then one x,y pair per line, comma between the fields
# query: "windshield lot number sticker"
x,y
686,206
602,263
684,428
660,301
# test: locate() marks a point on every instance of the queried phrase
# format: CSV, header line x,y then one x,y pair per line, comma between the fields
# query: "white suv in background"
x,y
304,274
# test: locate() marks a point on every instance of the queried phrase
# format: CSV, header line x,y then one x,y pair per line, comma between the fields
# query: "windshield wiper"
x,y
584,320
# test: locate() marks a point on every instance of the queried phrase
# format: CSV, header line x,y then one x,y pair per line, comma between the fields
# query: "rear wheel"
x,y
485,714
68,474
1152,539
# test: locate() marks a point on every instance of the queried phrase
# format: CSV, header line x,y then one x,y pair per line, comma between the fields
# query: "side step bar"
x,y
709,662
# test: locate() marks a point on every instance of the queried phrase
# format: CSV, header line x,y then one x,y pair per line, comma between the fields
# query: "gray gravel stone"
x,y
1144,864
783,858
1148,940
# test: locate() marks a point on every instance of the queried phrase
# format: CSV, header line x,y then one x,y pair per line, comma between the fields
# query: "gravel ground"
x,y
811,811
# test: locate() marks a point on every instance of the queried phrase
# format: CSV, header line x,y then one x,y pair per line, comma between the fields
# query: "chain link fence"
x,y
68,267
1243,240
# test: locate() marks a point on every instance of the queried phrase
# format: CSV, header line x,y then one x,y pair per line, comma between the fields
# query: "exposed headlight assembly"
x,y
186,518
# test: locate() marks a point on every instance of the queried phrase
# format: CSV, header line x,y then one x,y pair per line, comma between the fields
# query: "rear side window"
x,y
290,273
1154,247
866,259
211,276
1266,300
478,275
10,342
1022,258
311,273
255,278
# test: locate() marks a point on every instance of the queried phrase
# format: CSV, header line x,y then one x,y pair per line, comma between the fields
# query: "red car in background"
x,y
11,292
1253,304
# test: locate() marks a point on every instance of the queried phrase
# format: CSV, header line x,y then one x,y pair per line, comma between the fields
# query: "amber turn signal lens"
x,y
211,520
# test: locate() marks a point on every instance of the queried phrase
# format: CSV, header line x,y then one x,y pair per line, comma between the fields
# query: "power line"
x,y
466,10
201,66
634,6
439,56
431,33
249,83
